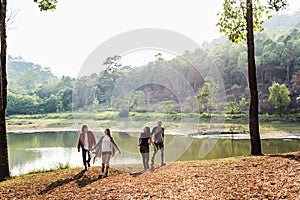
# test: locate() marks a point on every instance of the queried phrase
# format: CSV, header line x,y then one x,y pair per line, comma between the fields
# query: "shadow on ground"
x,y
62,182
295,157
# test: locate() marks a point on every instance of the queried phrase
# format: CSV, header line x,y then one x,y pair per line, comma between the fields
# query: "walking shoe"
x,y
106,174
163,164
89,165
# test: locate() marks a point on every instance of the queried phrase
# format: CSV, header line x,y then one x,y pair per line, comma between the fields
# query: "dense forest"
x,y
33,89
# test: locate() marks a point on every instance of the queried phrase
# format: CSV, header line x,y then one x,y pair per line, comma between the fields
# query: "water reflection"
x,y
33,151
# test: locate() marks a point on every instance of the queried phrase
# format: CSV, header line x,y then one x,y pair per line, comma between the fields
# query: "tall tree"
x,y
238,21
4,164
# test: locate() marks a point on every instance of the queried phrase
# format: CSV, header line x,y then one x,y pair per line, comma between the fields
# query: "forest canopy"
x,y
33,89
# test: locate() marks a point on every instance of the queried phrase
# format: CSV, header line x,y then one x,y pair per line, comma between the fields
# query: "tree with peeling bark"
x,y
4,164
238,21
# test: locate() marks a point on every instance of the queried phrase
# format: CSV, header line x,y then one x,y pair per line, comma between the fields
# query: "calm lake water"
x,y
44,150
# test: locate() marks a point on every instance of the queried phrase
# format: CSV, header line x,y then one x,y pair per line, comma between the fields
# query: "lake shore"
x,y
186,132
262,177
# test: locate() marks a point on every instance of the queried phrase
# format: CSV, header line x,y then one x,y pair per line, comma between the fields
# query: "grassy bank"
x,y
264,177
235,122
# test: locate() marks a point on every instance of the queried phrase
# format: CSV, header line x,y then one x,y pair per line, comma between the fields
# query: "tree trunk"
x,y
4,166
253,110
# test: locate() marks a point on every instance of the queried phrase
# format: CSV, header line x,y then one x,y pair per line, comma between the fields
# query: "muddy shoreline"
x,y
219,134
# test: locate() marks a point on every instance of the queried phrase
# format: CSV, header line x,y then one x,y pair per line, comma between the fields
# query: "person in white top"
x,y
106,147
86,141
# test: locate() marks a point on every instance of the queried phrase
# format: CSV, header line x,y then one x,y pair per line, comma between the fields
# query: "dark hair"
x,y
147,129
83,127
108,132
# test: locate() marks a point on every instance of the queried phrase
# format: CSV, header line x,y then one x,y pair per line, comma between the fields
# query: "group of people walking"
x,y
145,140
106,147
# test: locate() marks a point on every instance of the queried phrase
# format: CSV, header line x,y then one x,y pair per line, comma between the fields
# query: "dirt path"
x,y
265,177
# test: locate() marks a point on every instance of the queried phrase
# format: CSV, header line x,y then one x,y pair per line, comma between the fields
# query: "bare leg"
x,y
162,154
153,156
104,158
147,160
107,165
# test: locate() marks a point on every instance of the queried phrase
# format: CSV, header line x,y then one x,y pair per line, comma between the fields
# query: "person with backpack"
x,y
144,141
86,142
159,136
105,148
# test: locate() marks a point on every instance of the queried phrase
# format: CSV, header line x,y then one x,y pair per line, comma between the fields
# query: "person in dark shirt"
x,y
159,136
144,141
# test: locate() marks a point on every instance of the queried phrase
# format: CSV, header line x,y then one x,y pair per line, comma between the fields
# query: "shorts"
x,y
144,149
106,153
159,145
106,157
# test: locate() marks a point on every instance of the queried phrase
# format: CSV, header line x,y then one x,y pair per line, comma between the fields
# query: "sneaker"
x,y
163,164
106,174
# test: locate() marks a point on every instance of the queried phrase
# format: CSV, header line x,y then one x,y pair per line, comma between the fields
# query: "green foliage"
x,y
45,5
96,104
137,101
298,99
277,54
233,23
51,104
22,104
205,98
232,107
119,103
25,77
279,94
59,166
106,81
296,83
124,113
170,107
243,104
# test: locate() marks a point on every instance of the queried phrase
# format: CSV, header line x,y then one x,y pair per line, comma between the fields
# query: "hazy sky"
x,y
64,38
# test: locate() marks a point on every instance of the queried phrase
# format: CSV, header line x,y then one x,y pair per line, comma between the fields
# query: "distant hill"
x,y
272,25
284,21
18,66
25,76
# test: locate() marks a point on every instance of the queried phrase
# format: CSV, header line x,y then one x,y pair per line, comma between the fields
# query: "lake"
x,y
44,150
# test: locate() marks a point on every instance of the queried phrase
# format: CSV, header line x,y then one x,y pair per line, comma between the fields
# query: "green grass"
x,y
234,122
60,124
59,166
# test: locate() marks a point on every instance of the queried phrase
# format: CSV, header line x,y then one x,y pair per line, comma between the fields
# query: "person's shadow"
x,y
295,157
86,181
81,183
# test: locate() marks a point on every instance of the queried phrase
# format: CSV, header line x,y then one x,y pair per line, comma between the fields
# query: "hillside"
x,y
277,59
25,75
283,21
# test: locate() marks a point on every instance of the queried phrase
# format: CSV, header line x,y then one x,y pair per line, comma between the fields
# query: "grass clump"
x,y
59,166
